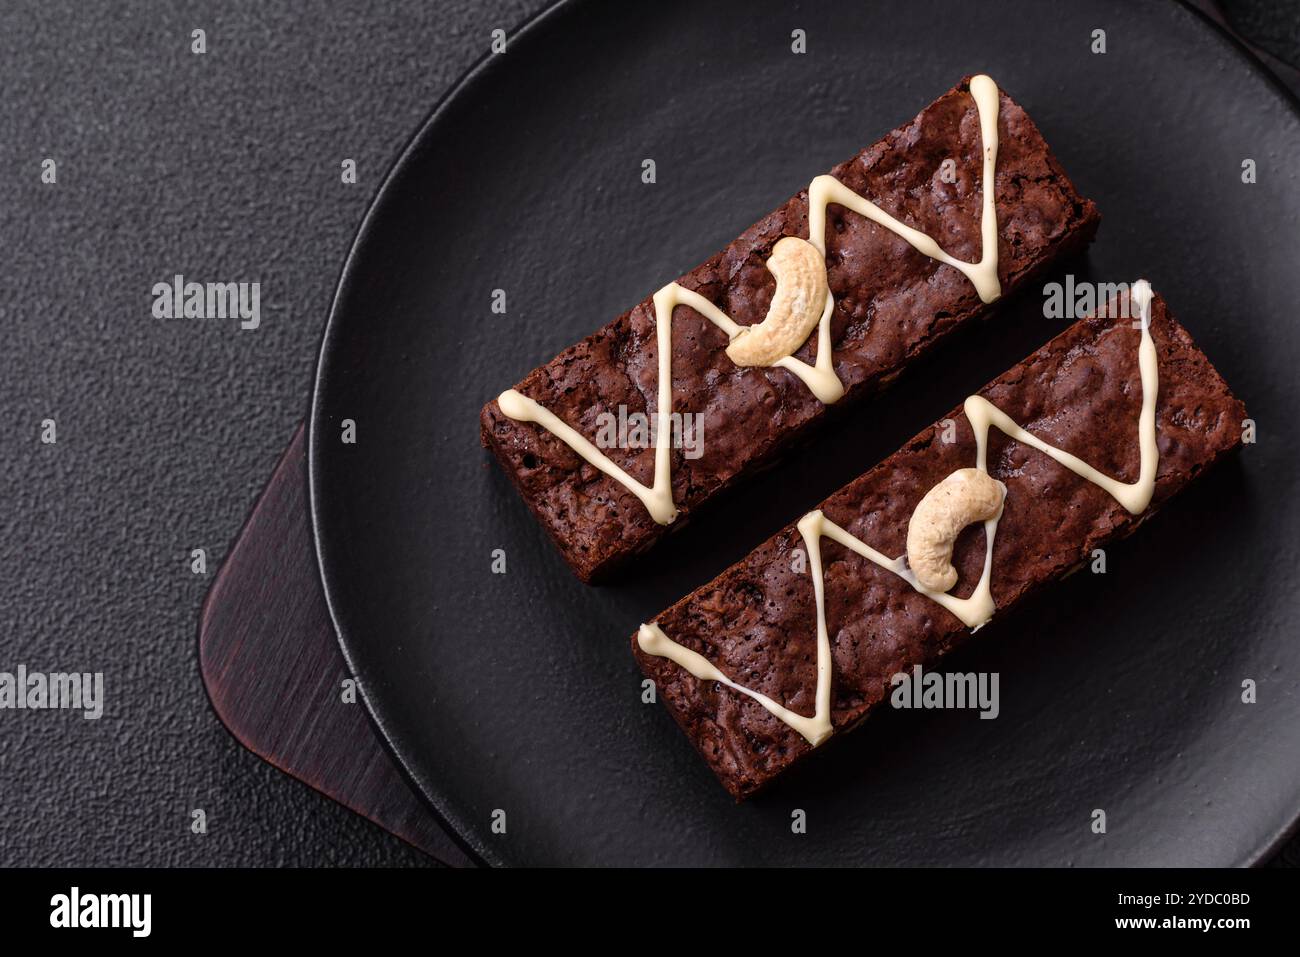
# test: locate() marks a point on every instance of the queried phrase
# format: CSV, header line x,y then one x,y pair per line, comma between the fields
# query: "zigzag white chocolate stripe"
x,y
975,610
820,378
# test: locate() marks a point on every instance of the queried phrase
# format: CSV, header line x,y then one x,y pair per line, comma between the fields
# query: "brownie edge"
x,y
757,620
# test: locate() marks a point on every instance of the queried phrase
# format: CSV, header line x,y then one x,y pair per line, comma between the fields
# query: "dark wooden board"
x,y
273,669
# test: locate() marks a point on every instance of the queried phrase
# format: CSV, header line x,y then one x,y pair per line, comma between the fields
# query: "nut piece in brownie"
x,y
756,624
890,303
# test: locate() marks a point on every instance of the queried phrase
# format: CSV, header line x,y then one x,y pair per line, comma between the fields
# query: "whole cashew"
x,y
964,497
797,305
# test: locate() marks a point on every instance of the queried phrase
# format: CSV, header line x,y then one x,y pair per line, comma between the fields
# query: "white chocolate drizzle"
x,y
820,377
976,610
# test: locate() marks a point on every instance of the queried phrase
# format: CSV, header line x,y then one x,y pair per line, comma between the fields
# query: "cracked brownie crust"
x,y
892,304
757,620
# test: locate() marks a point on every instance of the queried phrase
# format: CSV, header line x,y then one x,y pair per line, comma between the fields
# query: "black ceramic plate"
x,y
517,692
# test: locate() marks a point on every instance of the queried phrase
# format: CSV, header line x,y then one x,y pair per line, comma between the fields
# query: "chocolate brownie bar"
x,y
891,304
756,623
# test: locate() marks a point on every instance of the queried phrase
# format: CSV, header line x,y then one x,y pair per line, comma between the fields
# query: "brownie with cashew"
x,y
892,304
756,623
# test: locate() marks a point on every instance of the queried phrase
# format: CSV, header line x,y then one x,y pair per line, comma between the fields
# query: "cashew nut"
x,y
964,497
797,305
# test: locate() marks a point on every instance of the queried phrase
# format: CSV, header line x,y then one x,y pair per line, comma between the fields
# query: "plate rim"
x,y
458,830
432,797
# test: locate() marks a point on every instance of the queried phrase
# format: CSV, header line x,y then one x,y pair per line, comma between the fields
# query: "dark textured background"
x,y
221,167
